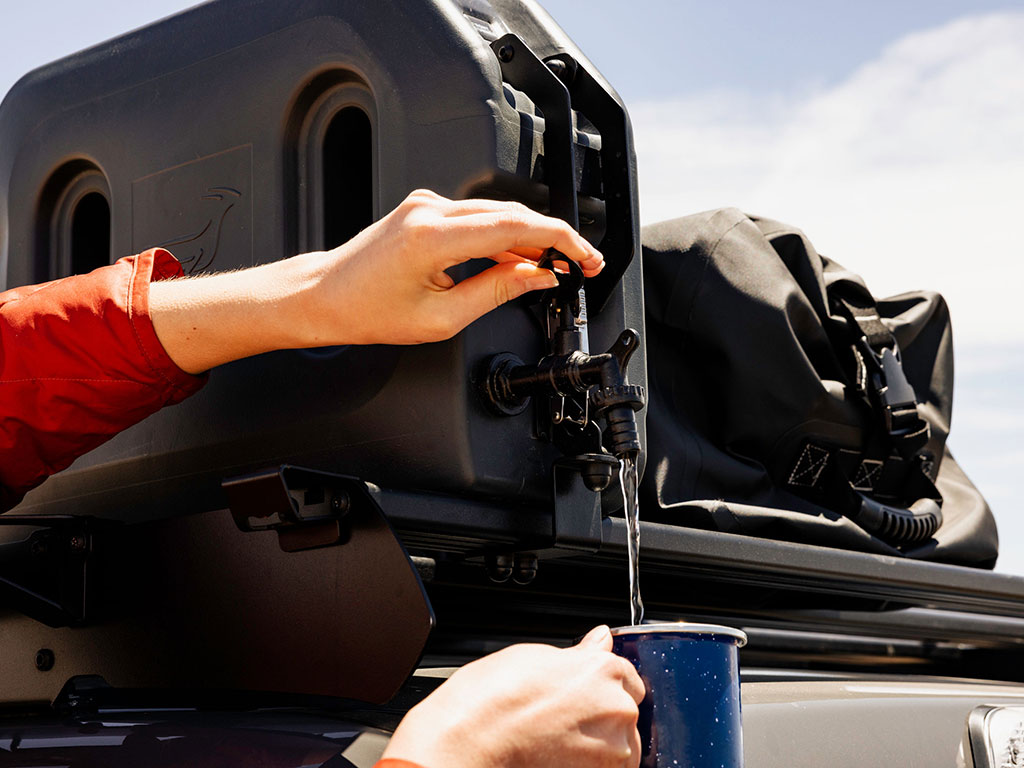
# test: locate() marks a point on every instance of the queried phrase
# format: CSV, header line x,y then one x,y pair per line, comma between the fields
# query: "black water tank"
x,y
245,131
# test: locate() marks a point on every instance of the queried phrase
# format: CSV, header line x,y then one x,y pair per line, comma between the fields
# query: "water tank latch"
x,y
306,508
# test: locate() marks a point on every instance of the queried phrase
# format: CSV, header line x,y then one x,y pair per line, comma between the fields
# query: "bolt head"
x,y
340,504
506,53
45,659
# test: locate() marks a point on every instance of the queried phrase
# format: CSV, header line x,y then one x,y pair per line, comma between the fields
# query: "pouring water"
x,y
630,497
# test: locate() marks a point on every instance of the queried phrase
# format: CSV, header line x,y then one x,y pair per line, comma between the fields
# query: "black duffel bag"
x,y
787,403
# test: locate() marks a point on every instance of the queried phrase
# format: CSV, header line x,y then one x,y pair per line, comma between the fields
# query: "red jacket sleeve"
x,y
79,362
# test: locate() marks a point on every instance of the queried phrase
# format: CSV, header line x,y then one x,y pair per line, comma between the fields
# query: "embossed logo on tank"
x,y
201,211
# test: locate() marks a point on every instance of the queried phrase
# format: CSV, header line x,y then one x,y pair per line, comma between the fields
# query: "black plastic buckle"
x,y
890,385
896,394
896,398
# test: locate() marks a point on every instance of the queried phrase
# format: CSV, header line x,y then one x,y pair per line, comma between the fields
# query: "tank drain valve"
x,y
595,383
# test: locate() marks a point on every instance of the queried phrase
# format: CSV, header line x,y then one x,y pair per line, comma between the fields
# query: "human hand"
x,y
388,284
532,706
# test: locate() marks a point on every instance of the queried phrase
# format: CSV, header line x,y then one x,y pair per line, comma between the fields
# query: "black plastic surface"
x,y
205,133
194,603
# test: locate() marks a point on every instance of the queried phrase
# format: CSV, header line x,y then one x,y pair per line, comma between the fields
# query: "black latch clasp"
x,y
897,399
306,508
893,390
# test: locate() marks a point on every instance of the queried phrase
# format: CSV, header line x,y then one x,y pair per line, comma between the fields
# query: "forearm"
x,y
207,321
388,285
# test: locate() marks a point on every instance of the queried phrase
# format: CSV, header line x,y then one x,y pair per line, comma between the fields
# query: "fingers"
x,y
520,254
601,638
483,205
598,637
632,682
484,228
484,234
477,295
534,254
635,749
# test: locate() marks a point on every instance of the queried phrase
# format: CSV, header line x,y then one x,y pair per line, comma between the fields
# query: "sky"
x,y
891,132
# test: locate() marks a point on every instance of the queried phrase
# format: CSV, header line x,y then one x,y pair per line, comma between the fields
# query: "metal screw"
x,y
340,504
506,53
45,659
559,68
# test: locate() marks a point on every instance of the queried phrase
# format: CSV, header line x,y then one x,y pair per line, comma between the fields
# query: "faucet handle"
x,y
624,347
566,304
569,283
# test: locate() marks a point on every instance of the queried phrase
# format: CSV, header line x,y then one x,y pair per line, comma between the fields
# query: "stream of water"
x,y
630,497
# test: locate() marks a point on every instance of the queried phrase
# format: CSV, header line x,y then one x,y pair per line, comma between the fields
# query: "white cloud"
x,y
910,172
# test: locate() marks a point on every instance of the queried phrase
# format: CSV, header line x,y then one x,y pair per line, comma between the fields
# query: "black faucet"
x,y
579,387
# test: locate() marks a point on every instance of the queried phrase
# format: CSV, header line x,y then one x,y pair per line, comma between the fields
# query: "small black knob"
x,y
597,476
525,568
499,568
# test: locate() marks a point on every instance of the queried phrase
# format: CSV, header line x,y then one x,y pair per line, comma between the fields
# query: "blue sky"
x,y
655,48
891,132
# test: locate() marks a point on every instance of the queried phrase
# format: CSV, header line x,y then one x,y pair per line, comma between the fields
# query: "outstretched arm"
x,y
387,285
88,356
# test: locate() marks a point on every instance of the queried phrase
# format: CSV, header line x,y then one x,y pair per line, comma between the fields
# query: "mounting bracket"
x,y
46,574
306,508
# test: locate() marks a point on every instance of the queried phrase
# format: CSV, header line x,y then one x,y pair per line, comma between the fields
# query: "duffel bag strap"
x,y
882,379
871,492
887,487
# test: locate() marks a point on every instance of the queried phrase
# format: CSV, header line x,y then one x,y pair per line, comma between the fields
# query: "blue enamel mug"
x,y
690,717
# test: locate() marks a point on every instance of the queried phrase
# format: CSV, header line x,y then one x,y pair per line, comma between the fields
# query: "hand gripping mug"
x,y
690,717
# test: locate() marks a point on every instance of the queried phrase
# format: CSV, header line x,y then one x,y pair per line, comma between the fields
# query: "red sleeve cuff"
x,y
80,362
390,762
151,266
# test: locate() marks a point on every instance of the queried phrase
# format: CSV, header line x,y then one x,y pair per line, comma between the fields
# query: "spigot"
x,y
618,405
509,384
595,385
